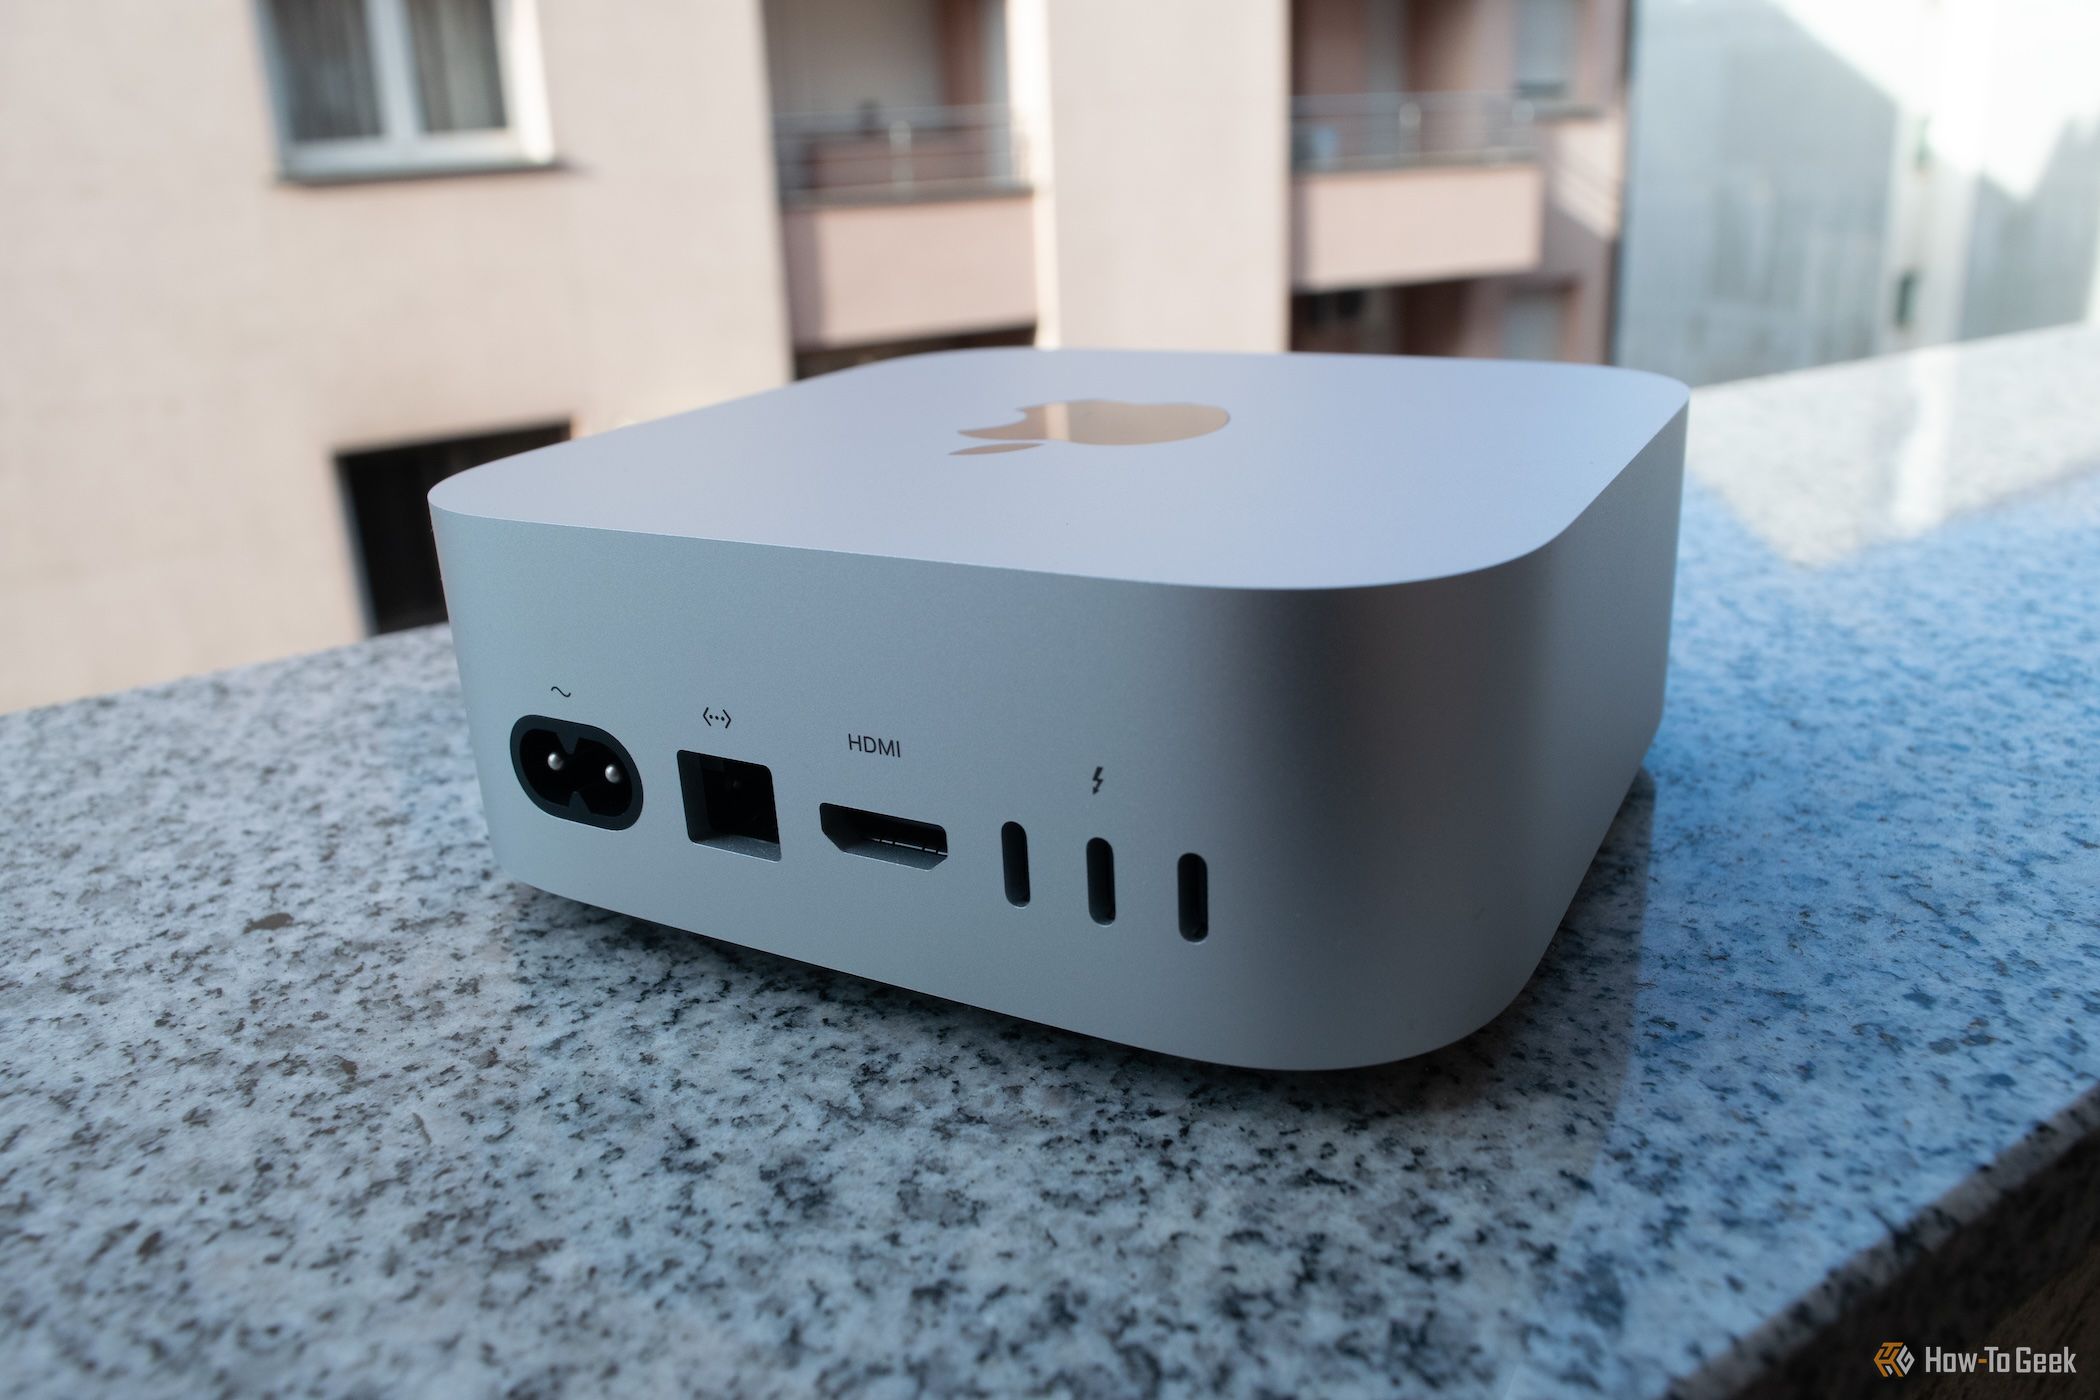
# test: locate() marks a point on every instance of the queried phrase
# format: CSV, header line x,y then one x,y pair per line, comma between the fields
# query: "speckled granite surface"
x,y
299,1095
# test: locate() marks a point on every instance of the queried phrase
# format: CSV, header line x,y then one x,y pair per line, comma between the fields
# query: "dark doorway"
x,y
390,519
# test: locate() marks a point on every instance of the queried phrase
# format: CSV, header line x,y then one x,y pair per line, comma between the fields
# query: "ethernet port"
x,y
729,804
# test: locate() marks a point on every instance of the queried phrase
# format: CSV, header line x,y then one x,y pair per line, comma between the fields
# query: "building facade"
x,y
272,267
1933,174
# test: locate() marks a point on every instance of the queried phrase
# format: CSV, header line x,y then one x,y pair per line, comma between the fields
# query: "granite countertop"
x,y
299,1094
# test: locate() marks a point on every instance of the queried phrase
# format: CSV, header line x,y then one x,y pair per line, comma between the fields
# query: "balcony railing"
x,y
1383,131
882,153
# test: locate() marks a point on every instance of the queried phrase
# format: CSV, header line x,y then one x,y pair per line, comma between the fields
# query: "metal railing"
x,y
880,153
1378,131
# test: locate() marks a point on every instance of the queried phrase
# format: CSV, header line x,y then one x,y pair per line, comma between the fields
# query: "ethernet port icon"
x,y
729,804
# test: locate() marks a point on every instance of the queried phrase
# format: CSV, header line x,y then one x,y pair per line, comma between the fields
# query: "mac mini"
x,y
1260,709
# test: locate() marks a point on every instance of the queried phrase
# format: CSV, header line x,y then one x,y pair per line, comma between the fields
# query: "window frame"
x,y
403,147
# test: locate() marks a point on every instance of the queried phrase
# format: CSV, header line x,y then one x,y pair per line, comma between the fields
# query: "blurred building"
x,y
1456,170
1814,182
270,268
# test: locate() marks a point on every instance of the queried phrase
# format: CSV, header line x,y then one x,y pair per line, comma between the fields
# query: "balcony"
x,y
904,223
1394,188
880,155
1396,130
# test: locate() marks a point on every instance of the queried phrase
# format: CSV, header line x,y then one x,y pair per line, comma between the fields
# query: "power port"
x,y
576,772
729,803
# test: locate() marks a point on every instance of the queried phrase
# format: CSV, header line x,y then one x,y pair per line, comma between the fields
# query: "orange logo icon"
x,y
1098,423
1892,1359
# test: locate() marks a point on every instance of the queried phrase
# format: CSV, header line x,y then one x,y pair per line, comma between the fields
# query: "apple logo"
x,y
1098,423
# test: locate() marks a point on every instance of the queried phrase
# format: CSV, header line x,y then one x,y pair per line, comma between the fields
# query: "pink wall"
x,y
868,272
1377,227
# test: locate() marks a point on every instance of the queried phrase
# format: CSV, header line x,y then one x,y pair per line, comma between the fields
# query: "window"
x,y
391,87
385,492
813,362
1534,323
1349,321
1549,33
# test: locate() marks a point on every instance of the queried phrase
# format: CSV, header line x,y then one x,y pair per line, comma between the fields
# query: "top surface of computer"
x,y
1222,470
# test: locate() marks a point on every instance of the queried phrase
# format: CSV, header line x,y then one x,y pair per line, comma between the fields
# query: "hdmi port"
x,y
920,845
